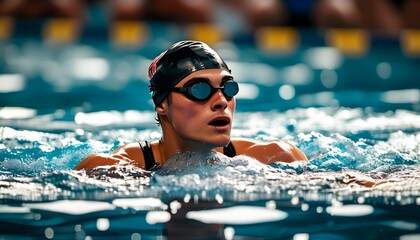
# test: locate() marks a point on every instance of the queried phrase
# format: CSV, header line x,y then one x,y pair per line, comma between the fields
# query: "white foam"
x,y
17,113
10,209
154,217
238,215
351,210
140,203
414,236
73,207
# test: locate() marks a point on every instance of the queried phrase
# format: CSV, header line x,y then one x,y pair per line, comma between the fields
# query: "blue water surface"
x,y
357,122
41,193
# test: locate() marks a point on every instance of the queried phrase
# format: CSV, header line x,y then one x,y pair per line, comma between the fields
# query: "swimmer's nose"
x,y
219,101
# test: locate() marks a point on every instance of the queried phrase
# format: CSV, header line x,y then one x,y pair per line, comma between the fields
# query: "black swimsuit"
x,y
151,164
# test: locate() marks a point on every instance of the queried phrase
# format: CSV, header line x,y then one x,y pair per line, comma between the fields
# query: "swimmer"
x,y
193,92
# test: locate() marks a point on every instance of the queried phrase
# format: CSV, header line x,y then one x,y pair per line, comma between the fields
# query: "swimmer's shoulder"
x,y
129,154
270,151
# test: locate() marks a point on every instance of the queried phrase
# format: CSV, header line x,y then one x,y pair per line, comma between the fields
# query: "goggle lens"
x,y
203,90
231,88
200,90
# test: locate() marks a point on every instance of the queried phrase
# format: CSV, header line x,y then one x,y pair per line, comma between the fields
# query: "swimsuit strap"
x,y
149,158
229,150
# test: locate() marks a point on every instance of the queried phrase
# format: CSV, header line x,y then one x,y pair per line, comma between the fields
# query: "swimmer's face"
x,y
207,122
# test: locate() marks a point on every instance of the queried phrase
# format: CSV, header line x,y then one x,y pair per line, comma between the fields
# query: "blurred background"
x,y
92,55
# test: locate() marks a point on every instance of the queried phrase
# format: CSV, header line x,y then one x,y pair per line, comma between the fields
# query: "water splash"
x,y
28,153
358,148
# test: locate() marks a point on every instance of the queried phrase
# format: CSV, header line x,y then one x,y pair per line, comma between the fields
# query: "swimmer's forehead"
x,y
210,74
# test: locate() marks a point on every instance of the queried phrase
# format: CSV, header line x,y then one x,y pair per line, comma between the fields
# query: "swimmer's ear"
x,y
161,109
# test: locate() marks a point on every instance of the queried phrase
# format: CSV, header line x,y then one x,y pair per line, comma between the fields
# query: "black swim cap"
x,y
179,61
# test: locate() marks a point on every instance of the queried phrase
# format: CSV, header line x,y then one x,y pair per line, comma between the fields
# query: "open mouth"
x,y
219,122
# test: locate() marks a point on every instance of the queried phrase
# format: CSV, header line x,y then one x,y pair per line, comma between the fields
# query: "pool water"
x,y
360,132
215,196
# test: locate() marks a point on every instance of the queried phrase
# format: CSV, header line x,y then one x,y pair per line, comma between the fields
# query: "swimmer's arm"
x,y
129,154
270,152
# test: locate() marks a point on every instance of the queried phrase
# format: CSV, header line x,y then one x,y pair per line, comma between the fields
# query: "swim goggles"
x,y
201,90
